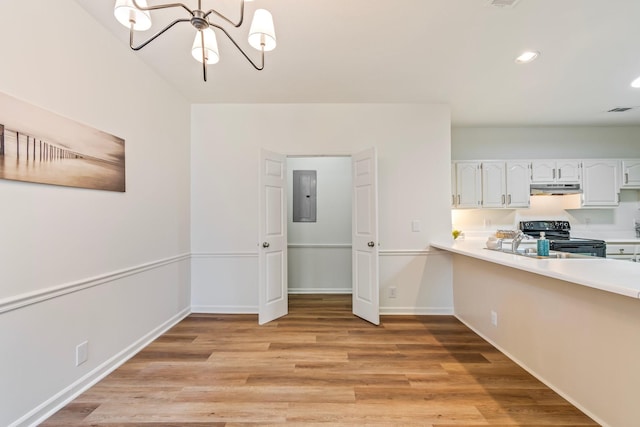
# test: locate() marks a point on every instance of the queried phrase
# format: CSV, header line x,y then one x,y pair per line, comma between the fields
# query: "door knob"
x,y
265,245
371,244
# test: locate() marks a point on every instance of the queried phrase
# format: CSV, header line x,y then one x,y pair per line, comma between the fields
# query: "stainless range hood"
x,y
554,189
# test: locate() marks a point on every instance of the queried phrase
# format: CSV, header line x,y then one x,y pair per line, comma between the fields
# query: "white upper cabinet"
x,y
555,171
505,184
630,173
600,183
468,185
494,185
518,191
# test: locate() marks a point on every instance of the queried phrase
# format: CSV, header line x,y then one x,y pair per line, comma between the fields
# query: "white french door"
x,y
364,239
272,247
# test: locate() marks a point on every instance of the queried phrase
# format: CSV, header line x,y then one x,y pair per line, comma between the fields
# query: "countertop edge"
x,y
566,270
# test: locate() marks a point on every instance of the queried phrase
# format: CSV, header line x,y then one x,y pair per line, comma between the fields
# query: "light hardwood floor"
x,y
319,365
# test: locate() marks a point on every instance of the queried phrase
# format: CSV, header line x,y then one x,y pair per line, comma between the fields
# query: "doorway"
x,y
273,241
319,250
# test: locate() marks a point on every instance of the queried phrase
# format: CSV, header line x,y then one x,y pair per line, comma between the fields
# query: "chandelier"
x,y
136,15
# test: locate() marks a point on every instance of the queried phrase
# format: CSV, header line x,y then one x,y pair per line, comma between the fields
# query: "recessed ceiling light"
x,y
636,83
527,57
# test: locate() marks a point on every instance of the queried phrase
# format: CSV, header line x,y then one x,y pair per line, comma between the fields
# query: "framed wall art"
x,y
42,147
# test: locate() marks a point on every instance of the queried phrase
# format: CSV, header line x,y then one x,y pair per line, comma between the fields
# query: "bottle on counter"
x,y
543,245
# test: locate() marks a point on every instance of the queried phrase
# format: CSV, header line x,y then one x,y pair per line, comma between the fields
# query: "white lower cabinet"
x,y
624,251
600,183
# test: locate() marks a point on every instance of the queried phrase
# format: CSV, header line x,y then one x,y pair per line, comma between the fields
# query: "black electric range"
x,y
559,235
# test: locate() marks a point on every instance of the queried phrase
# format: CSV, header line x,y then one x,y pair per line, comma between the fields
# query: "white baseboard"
x,y
301,291
417,311
58,401
224,309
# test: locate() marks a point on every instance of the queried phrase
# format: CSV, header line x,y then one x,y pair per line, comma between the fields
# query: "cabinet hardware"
x,y
371,244
559,173
554,174
265,245
509,199
458,199
626,177
503,199
453,199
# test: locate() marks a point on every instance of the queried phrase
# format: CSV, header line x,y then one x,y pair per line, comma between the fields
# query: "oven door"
x,y
598,249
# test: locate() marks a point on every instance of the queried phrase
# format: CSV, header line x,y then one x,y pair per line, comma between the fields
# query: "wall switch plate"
x,y
82,353
494,318
392,292
415,226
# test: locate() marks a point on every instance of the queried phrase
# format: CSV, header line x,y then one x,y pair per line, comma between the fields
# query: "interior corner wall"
x,y
81,265
414,153
319,253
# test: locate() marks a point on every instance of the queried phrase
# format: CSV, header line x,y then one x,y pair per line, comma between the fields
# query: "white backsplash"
x,y
587,222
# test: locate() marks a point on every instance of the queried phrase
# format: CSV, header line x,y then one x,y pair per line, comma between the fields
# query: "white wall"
x,y
110,268
562,142
413,143
586,142
319,257
582,342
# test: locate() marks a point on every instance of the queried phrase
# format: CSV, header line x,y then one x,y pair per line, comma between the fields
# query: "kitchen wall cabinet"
x,y
494,185
555,171
505,184
468,192
600,183
518,183
630,173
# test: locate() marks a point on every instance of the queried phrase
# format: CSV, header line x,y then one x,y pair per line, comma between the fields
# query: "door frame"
x,y
310,155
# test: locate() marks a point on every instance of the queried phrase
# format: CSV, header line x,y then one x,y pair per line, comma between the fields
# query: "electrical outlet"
x,y
392,292
82,353
494,318
415,226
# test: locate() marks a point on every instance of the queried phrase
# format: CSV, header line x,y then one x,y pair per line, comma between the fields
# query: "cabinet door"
x,y
631,173
543,171
600,183
453,185
518,191
568,171
468,184
494,194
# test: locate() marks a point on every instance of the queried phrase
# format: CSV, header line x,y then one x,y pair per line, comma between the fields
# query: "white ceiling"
x,y
456,52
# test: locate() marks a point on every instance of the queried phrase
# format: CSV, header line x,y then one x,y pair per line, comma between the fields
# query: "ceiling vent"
x,y
508,4
619,109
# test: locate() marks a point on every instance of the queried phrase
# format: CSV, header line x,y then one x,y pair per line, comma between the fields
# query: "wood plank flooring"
x,y
319,366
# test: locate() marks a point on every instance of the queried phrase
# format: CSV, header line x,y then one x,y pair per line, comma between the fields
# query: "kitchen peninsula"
x,y
573,323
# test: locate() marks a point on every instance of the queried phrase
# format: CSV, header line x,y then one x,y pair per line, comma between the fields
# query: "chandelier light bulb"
x,y
126,13
210,46
262,34
636,83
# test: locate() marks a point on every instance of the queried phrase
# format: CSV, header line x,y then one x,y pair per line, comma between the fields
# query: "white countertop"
x,y
619,277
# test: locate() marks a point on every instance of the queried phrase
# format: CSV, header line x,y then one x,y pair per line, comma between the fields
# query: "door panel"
x,y
366,294
272,259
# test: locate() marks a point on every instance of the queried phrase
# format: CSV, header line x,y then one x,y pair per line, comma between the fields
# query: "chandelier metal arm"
x,y
259,68
162,6
209,12
155,36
